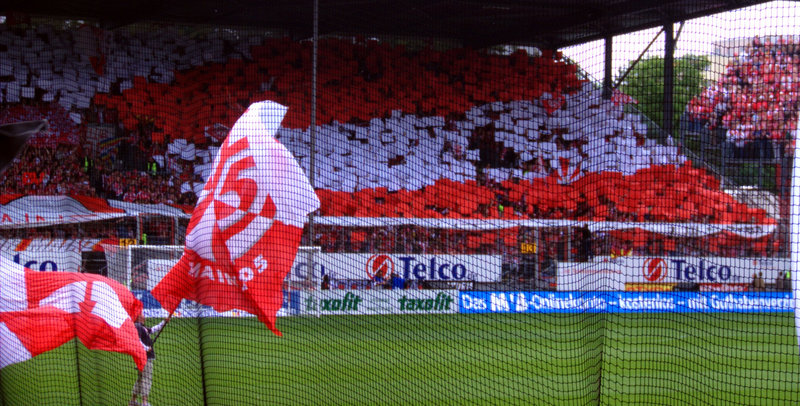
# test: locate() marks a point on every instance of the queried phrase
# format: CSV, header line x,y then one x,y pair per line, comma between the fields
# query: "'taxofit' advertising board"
x,y
364,302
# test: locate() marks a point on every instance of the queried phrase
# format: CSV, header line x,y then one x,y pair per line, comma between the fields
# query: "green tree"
x,y
645,83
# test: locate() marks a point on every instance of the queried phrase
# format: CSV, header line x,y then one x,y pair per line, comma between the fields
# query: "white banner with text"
x,y
611,274
411,267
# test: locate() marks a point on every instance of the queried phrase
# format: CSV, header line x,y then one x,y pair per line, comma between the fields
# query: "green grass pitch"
x,y
438,359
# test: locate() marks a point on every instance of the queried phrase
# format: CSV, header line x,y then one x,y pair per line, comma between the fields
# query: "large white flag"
x,y
245,230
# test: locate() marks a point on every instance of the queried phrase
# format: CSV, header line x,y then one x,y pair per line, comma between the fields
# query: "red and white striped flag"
x,y
245,230
40,311
28,333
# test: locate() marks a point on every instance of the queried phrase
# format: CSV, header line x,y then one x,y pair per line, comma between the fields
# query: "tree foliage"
x,y
645,83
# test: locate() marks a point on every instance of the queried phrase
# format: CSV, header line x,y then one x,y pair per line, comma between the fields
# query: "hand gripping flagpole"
x,y
166,321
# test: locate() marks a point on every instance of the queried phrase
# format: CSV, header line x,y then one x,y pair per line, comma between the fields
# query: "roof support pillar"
x,y
313,128
669,77
607,84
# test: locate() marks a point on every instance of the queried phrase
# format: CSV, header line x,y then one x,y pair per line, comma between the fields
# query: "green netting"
x,y
504,225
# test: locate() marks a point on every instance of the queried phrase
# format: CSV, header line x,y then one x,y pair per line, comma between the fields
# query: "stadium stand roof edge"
x,y
550,24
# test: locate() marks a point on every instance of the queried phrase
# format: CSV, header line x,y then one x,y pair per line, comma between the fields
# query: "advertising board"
x,y
46,260
612,274
362,267
419,267
649,287
624,302
329,302
151,307
370,302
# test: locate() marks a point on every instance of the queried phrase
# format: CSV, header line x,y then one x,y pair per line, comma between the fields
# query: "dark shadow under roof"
x,y
549,24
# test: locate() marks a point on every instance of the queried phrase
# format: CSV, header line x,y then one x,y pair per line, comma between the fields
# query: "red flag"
x,y
245,230
28,333
40,311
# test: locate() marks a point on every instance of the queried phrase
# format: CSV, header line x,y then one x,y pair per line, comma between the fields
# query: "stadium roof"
x,y
549,24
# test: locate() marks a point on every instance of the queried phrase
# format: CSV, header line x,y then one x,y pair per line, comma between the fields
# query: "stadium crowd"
x,y
756,98
500,136
558,243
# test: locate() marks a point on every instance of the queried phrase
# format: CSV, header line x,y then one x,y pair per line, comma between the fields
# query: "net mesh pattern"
x,y
506,225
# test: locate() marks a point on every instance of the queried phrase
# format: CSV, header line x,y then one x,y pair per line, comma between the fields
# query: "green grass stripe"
x,y
568,359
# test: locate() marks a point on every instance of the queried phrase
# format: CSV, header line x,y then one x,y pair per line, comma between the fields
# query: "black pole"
x,y
638,58
669,77
312,156
2,392
608,67
78,364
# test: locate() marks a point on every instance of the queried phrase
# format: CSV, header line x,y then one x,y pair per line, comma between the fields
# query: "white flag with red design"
x,y
40,311
245,229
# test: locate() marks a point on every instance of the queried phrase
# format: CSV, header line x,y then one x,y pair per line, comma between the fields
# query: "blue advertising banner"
x,y
624,302
151,307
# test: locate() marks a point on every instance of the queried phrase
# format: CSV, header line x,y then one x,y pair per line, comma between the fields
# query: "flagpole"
x,y
202,358
166,321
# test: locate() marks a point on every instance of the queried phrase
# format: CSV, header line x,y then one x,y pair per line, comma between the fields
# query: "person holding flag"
x,y
245,230
145,380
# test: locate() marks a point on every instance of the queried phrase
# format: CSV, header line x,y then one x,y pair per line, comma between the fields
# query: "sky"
x,y
697,37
